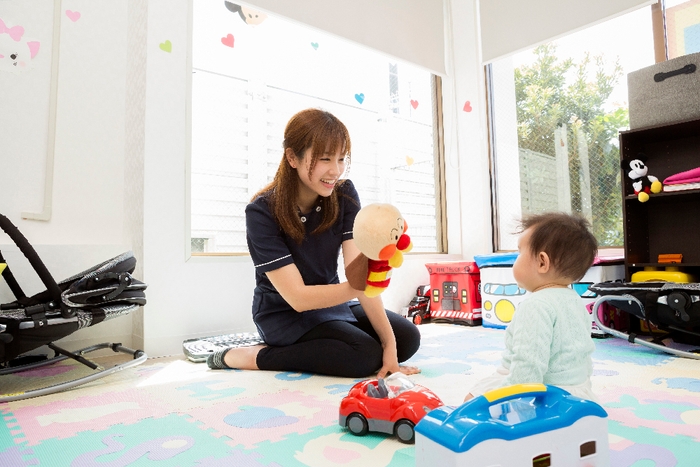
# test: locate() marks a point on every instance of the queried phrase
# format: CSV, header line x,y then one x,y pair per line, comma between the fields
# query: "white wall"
x,y
97,150
89,149
87,222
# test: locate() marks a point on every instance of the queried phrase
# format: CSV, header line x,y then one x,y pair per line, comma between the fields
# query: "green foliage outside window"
x,y
554,93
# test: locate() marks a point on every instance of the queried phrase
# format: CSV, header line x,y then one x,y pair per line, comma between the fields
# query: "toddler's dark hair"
x,y
567,240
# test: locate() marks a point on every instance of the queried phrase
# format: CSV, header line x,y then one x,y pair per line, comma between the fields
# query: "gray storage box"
x,y
667,92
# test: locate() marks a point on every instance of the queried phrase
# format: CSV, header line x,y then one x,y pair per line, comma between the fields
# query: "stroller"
x,y
673,308
103,292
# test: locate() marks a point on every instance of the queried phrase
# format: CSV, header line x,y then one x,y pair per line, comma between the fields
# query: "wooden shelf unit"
x,y
669,222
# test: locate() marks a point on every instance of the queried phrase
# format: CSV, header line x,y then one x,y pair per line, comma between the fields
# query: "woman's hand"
x,y
405,369
409,370
391,365
390,362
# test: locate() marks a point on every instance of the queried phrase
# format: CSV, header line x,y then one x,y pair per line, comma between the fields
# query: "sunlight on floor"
x,y
176,371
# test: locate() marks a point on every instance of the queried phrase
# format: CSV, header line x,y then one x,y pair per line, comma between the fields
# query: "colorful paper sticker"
x,y
248,15
228,40
16,51
15,32
73,15
166,46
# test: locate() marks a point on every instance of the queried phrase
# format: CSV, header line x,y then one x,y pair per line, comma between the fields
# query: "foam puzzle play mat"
x,y
174,412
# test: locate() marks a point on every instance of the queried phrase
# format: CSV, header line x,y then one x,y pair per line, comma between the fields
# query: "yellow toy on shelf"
x,y
667,274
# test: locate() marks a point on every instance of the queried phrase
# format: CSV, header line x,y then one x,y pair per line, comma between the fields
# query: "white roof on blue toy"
x,y
521,410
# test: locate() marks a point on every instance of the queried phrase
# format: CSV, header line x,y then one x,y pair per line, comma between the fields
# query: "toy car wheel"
x,y
357,424
404,431
417,319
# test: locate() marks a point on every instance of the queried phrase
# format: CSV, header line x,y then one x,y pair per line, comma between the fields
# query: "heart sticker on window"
x,y
228,40
73,15
360,97
414,104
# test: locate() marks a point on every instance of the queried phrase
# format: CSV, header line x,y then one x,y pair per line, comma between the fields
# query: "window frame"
x,y
438,161
660,54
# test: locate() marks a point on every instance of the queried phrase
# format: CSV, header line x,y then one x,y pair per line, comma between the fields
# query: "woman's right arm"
x,y
289,283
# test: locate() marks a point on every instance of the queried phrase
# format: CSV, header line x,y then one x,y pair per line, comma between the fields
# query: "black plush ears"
x,y
625,164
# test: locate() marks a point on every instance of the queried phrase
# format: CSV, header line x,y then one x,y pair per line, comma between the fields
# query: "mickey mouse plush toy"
x,y
642,183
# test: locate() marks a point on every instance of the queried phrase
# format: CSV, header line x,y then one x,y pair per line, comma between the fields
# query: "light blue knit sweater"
x,y
549,340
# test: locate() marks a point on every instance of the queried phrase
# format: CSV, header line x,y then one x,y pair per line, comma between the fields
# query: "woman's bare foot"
x,y
243,358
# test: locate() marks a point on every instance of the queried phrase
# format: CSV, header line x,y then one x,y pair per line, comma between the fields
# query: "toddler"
x,y
549,339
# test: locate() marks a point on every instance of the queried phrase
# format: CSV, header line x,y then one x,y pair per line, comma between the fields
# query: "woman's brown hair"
x,y
323,133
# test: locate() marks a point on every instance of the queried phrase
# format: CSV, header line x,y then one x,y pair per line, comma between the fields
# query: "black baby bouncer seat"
x,y
103,292
671,307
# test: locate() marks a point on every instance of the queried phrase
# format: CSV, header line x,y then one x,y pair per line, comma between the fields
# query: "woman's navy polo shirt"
x,y
316,258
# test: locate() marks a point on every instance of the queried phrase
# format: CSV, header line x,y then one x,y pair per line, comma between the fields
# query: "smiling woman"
x,y
296,227
249,78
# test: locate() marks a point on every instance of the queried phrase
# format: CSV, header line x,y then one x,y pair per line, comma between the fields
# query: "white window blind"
x,y
510,26
410,30
236,146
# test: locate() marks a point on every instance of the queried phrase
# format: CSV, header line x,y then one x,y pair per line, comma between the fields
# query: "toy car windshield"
x,y
398,383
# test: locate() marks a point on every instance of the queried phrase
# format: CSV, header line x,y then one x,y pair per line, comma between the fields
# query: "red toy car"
x,y
393,405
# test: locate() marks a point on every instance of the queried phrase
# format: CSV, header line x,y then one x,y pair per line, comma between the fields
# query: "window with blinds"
x,y
249,76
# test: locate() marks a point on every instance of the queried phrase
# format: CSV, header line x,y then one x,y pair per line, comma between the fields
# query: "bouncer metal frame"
x,y
632,337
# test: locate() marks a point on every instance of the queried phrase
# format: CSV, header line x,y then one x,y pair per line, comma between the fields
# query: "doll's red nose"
x,y
403,242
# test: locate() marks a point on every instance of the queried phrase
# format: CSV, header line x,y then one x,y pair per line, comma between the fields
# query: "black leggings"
x,y
339,348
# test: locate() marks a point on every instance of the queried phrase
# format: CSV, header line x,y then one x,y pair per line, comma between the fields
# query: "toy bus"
x,y
523,425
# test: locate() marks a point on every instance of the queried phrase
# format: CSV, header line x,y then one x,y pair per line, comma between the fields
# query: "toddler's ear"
x,y
543,263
